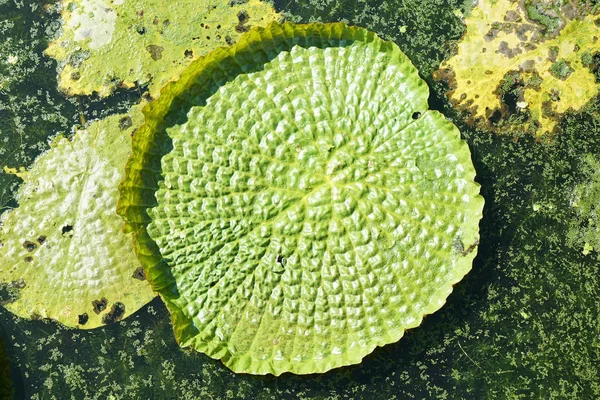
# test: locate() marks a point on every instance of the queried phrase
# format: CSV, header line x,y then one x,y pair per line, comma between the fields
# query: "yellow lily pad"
x,y
109,43
521,65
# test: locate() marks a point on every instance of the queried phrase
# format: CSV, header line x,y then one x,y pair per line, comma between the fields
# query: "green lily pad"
x,y
296,204
62,252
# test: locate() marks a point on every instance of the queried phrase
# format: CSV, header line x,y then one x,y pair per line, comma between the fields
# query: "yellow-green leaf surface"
x,y
296,204
63,254
107,43
547,70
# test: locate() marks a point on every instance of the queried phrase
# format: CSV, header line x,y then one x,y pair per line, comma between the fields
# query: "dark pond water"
x,y
523,324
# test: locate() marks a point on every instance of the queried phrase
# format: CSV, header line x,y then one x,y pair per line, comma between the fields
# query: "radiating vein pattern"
x,y
313,209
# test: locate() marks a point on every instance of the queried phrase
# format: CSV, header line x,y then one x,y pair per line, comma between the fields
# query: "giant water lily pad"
x,y
522,64
62,252
296,204
107,43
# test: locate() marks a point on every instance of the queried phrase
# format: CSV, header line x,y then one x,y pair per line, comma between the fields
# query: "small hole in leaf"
x,y
280,260
66,229
416,115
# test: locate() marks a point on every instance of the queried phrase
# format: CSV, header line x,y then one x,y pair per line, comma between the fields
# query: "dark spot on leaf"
x,y
139,274
470,248
83,319
41,239
155,51
243,16
188,53
140,13
242,28
233,3
28,259
416,115
141,30
75,75
155,21
19,283
100,305
166,22
125,123
229,40
116,313
218,26
30,246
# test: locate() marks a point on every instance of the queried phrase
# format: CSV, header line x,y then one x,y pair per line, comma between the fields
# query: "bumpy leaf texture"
x,y
296,204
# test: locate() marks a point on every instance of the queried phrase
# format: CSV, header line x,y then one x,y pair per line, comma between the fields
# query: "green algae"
x,y
7,390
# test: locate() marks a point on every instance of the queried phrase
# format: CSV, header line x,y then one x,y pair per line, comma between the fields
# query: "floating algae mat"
x,y
309,206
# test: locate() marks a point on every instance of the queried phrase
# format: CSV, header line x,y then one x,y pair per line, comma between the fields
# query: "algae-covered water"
x,y
523,324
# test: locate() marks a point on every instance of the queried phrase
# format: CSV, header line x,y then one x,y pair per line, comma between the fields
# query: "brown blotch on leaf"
x,y
100,305
507,51
139,274
229,40
116,313
155,51
188,54
83,319
19,283
29,246
75,75
125,123
512,16
28,259
41,239
243,18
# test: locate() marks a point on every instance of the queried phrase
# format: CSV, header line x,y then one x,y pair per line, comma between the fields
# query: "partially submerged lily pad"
x,y
109,43
296,204
62,251
522,64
